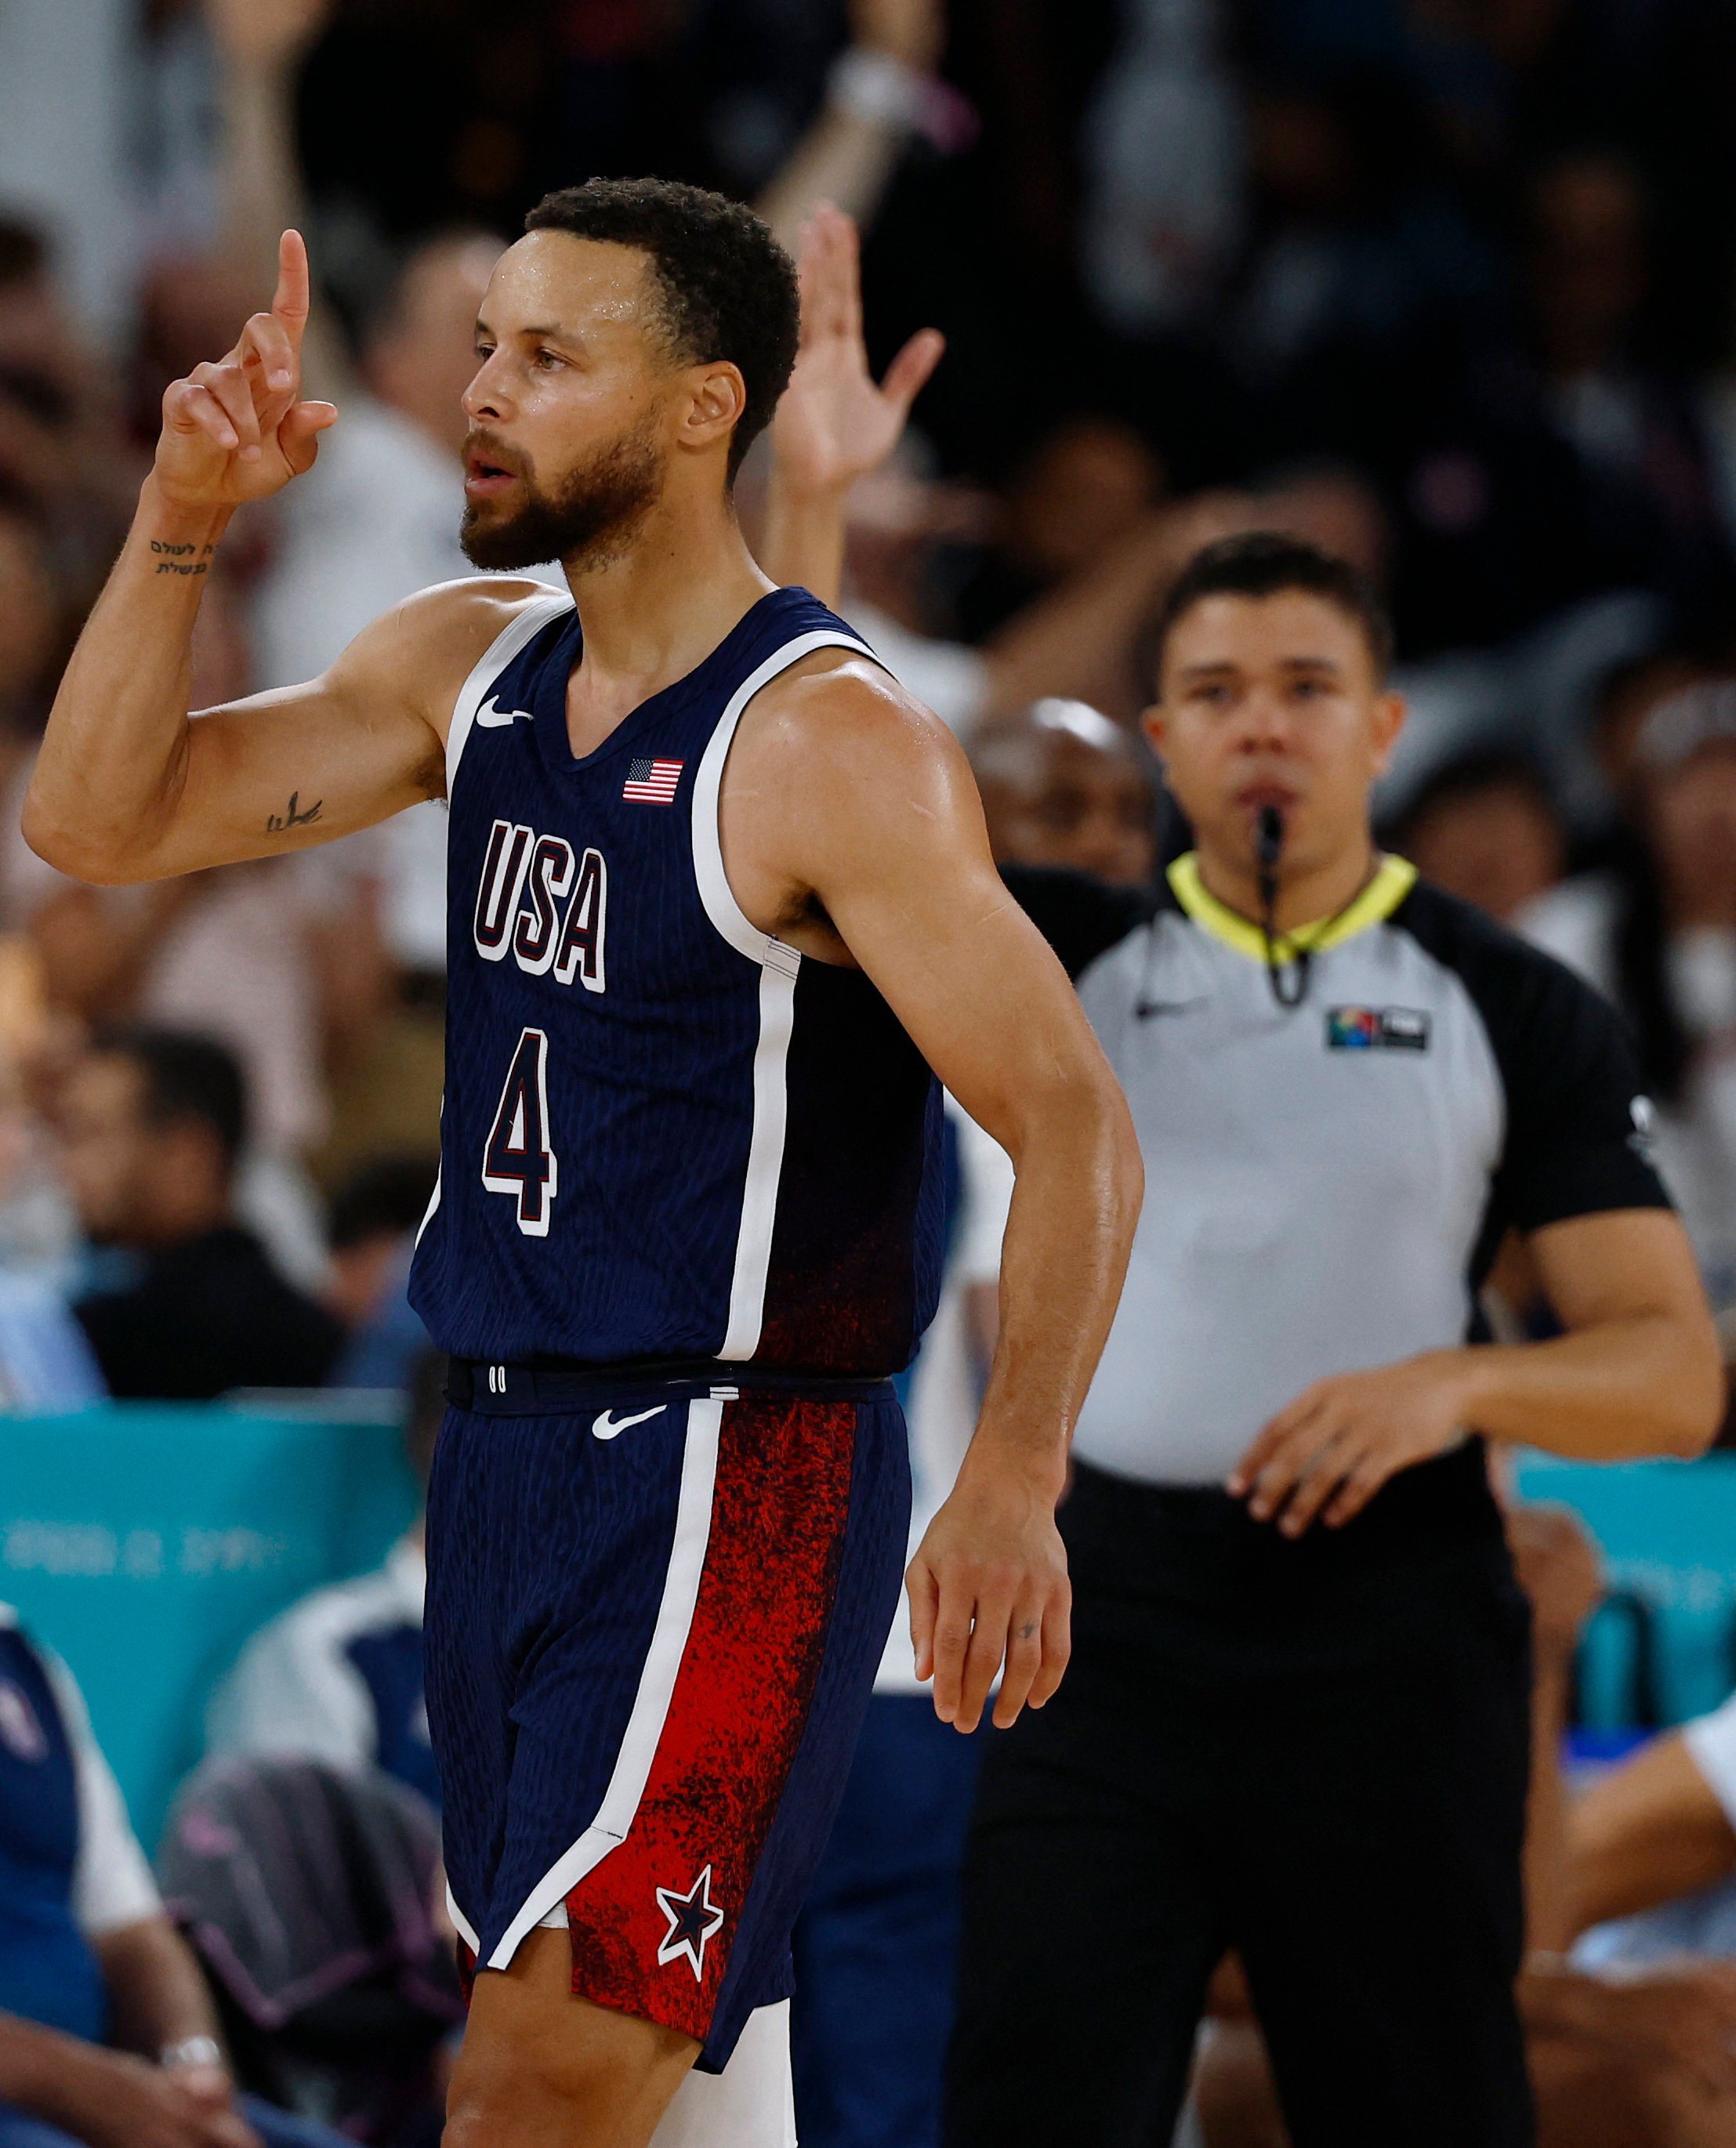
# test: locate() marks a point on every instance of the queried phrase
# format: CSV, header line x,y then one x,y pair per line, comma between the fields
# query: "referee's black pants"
x,y
1315,1754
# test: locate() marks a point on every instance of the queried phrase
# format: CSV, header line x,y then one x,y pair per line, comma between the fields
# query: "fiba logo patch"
x,y
1377,1029
21,1730
693,1920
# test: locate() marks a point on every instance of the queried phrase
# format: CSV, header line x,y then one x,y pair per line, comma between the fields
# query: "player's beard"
x,y
588,518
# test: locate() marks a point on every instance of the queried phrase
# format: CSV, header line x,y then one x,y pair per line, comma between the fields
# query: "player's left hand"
x,y
989,1586
1328,1453
833,424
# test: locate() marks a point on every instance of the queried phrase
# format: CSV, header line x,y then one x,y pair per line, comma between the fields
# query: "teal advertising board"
x,y
145,1542
1668,1531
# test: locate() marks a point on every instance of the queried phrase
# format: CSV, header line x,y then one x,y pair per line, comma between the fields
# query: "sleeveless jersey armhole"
x,y
727,915
537,614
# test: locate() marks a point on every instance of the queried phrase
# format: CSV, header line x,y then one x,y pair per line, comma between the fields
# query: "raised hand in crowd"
x,y
912,31
266,33
835,423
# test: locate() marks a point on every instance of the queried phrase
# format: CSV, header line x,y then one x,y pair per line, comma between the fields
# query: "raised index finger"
x,y
291,302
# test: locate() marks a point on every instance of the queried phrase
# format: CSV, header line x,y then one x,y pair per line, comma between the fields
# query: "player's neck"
x,y
1305,896
661,606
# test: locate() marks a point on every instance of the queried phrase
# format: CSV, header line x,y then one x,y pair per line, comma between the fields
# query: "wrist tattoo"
x,y
178,558
295,816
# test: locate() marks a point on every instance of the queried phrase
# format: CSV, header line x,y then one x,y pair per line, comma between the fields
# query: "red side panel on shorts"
x,y
652,1925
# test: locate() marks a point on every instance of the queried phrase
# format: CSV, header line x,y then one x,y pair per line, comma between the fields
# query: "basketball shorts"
x,y
654,1613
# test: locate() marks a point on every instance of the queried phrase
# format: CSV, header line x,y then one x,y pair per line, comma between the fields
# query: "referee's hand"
x,y
989,1586
1327,1455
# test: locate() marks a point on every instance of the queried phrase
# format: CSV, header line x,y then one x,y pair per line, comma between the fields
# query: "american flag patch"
x,y
652,782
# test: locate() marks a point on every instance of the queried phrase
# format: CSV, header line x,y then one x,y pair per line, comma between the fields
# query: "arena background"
x,y
1448,285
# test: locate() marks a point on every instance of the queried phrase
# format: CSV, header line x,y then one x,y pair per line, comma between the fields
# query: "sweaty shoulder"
x,y
836,708
843,745
425,648
839,780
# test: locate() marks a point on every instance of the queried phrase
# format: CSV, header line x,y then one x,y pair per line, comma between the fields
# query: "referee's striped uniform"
x,y
1312,1752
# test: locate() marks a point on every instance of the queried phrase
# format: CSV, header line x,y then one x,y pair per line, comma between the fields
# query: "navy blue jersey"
x,y
665,1134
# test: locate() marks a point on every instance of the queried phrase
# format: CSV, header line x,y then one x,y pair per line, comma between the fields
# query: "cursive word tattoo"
x,y
294,817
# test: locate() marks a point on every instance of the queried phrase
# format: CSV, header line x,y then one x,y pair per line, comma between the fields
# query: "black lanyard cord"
x,y
1268,845
1289,983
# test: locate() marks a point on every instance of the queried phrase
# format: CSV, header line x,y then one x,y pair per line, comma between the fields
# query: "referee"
x,y
1295,1724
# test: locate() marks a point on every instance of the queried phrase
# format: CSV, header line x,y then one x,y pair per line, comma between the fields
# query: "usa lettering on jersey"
x,y
544,904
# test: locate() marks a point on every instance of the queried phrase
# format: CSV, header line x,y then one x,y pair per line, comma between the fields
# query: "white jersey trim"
x,y
656,1684
461,1924
778,967
715,892
499,653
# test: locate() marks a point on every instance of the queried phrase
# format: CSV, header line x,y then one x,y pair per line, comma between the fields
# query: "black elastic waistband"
x,y
552,1384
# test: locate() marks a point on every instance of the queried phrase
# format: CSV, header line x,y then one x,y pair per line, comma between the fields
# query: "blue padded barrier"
x,y
145,1542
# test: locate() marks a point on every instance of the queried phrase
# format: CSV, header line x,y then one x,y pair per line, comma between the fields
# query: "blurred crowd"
x,y
1447,286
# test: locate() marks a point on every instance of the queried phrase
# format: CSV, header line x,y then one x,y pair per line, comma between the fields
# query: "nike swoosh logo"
x,y
607,1425
1145,1009
492,717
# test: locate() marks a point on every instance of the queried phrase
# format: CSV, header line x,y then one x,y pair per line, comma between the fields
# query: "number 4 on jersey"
x,y
518,1159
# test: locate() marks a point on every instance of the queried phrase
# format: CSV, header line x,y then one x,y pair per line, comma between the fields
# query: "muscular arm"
x,y
129,786
849,810
1637,1373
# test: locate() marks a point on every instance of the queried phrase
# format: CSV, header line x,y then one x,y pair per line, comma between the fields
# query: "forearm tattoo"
x,y
295,816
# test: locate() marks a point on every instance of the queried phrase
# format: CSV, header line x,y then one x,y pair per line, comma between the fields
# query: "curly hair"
x,y
728,287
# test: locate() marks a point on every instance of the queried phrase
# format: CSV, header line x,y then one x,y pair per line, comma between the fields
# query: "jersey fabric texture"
x,y
652,1621
665,1134
1333,1180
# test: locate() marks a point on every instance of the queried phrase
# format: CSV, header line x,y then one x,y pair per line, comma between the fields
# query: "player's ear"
x,y
1153,723
1390,711
718,396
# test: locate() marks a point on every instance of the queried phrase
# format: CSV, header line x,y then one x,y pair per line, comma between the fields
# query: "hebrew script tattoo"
x,y
178,558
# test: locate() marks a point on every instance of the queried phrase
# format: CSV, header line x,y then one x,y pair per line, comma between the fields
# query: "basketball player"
x,y
718,889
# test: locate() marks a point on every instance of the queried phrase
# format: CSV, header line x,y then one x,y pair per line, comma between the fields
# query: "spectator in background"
x,y
1632,2045
1483,827
279,960
1063,785
1087,485
46,1360
65,460
152,1123
375,1215
107,2036
1657,934
1651,1852
337,1677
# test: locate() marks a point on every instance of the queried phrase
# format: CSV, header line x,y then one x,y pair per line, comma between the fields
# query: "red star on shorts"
x,y
693,1919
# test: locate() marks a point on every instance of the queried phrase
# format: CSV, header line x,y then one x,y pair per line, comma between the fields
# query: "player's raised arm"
x,y
127,787
886,835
